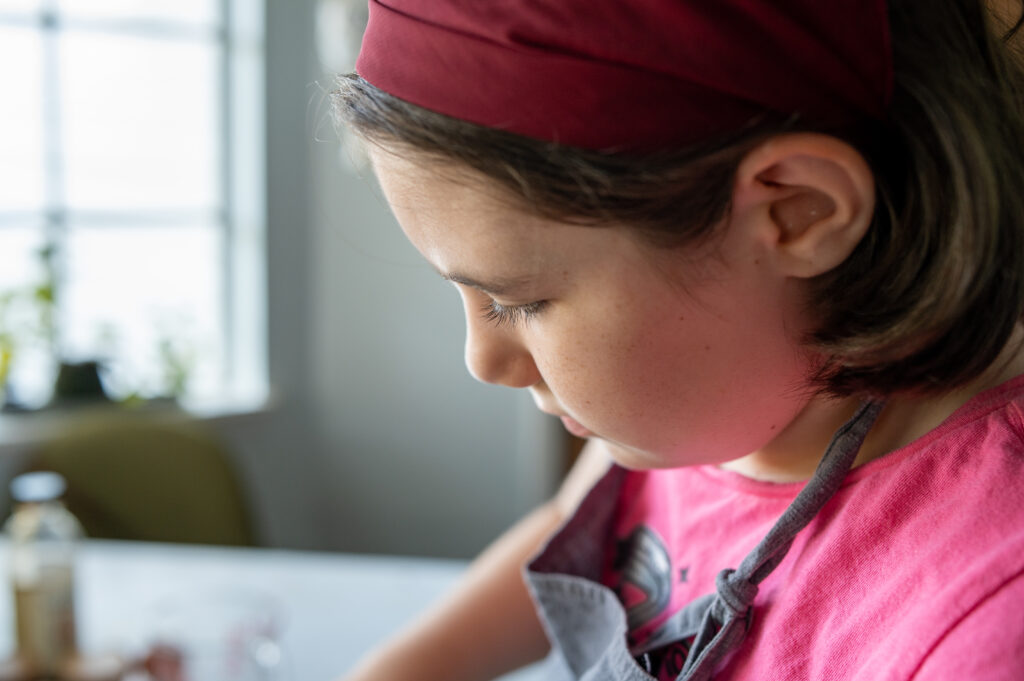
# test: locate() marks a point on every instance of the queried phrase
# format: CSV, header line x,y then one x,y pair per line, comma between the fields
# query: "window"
x,y
131,221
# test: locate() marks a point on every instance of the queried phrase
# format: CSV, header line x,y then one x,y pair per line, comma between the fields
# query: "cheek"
x,y
614,378
683,388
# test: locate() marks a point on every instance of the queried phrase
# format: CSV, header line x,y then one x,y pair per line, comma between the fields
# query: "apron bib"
x,y
585,621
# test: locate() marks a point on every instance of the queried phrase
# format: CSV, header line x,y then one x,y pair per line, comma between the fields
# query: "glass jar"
x,y
43,536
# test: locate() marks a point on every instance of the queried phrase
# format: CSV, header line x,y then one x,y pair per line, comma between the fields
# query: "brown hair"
x,y
931,294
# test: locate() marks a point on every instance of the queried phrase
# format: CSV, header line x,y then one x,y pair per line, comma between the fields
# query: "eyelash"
x,y
499,314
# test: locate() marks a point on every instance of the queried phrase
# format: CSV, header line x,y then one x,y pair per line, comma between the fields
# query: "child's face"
x,y
671,357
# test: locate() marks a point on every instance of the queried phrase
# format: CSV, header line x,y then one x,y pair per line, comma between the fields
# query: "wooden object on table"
x,y
77,668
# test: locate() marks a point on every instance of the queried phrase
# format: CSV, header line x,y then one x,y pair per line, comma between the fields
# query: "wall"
x,y
376,439
383,443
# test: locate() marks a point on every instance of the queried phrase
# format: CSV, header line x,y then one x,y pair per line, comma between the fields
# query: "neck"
x,y
794,454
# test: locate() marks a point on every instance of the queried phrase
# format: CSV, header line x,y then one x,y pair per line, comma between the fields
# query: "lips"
x,y
575,427
571,424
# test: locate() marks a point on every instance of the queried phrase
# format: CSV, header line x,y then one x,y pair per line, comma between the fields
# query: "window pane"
x,y
21,323
202,12
21,110
140,122
133,293
20,262
19,6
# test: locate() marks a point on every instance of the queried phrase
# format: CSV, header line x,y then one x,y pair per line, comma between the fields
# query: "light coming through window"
x,y
131,197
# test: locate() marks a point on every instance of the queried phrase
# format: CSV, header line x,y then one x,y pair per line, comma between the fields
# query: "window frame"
x,y
240,216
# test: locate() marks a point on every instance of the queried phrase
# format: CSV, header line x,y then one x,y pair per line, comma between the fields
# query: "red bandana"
x,y
631,74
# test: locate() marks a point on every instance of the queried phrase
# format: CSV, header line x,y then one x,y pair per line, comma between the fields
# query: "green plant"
x,y
7,341
45,297
177,364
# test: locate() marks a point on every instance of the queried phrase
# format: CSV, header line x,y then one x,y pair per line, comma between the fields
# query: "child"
x,y
768,256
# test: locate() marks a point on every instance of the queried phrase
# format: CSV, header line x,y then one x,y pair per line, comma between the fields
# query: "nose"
x,y
496,354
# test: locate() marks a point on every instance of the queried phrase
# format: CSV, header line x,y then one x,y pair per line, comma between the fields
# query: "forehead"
x,y
458,218
413,182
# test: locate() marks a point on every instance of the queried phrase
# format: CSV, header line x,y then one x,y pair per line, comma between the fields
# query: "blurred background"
x,y
203,296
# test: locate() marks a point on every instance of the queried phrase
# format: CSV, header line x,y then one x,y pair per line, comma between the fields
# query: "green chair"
x,y
140,477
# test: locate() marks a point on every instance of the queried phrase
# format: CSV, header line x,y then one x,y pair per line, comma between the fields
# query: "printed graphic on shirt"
x,y
643,579
667,662
645,576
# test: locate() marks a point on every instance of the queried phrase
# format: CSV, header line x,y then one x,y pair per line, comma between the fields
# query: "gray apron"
x,y
587,624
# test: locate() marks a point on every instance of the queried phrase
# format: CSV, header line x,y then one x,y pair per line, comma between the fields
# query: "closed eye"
x,y
499,314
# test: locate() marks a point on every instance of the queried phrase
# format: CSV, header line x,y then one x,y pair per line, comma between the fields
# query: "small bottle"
x,y
43,535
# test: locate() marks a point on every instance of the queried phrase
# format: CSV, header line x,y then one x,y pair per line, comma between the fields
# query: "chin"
x,y
635,458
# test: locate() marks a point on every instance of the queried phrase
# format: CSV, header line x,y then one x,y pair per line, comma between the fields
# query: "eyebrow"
x,y
495,287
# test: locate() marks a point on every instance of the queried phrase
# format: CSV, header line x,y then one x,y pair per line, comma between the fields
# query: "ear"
x,y
808,199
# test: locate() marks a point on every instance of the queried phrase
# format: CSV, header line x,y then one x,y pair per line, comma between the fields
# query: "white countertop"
x,y
334,606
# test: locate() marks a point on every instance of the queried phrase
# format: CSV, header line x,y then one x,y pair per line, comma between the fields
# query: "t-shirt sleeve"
x,y
987,644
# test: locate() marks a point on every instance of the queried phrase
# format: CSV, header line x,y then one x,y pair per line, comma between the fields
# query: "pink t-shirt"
x,y
914,570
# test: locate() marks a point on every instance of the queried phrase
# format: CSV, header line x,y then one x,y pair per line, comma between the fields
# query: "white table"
x,y
335,606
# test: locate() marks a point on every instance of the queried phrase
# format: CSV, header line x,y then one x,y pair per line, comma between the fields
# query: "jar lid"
x,y
37,487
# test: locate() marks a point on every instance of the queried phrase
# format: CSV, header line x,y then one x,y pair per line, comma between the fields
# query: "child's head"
x,y
639,344
924,289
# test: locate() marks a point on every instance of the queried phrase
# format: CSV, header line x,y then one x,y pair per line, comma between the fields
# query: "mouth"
x,y
572,425
575,427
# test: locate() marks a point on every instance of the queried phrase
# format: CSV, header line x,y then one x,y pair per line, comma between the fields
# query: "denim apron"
x,y
587,624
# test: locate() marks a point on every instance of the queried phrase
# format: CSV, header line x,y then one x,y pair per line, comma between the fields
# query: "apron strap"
x,y
726,616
